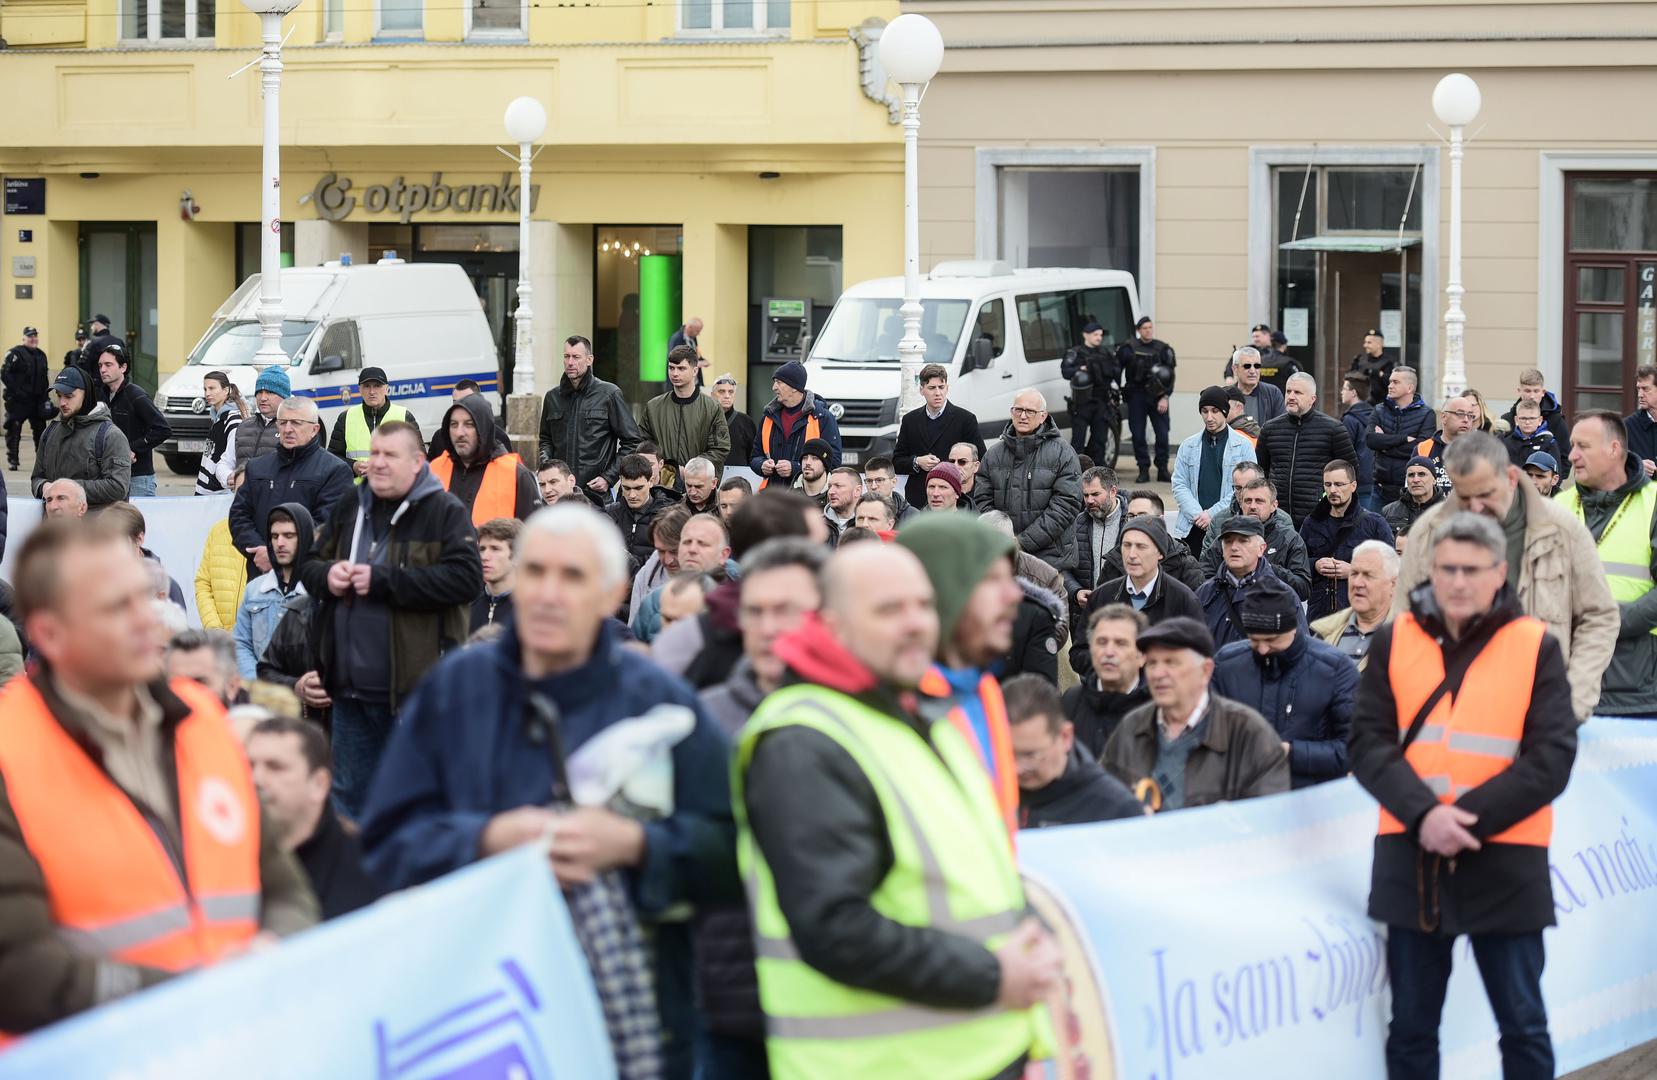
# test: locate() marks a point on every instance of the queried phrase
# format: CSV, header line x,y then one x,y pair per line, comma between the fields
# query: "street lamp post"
x,y
270,14
911,51
526,122
1456,101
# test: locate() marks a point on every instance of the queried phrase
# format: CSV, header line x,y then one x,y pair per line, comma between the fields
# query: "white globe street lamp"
x,y
911,51
526,122
1456,102
270,14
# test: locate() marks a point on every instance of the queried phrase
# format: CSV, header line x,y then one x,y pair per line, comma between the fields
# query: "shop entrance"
x,y
488,254
1610,289
118,279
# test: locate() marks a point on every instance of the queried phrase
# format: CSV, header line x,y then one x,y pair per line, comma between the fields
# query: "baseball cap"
x,y
372,374
1542,460
69,380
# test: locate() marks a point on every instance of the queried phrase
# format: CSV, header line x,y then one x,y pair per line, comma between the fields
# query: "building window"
x,y
333,19
1610,288
1346,260
1070,217
733,16
401,19
496,18
167,20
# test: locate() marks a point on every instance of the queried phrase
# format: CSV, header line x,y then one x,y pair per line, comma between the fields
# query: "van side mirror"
x,y
325,364
980,354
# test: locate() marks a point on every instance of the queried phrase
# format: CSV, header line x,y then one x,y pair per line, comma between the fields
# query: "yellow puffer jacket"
x,y
220,580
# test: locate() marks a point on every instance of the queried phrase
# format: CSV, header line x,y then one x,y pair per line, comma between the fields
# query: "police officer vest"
x,y
358,433
1625,545
952,869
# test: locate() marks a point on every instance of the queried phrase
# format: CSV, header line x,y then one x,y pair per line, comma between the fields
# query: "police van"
x,y
997,330
421,322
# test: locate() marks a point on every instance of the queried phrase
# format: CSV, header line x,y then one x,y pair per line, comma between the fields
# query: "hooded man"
x,y
977,595
397,568
83,444
289,534
491,482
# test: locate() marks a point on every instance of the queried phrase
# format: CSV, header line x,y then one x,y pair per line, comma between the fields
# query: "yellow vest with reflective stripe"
x,y
1625,546
952,869
357,434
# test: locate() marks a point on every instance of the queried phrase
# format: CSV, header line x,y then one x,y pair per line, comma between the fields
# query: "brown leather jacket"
x,y
1238,755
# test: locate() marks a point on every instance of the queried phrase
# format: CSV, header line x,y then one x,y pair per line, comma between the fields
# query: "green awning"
x,y
1358,244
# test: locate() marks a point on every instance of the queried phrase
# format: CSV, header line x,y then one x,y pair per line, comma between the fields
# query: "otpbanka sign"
x,y
336,196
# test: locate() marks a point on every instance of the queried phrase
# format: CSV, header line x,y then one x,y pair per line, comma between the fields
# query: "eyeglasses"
x,y
1019,411
1331,485
295,423
1463,415
1453,570
1249,367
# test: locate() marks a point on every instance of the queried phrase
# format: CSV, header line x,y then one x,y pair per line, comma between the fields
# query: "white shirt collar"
x,y
1146,591
930,415
1193,720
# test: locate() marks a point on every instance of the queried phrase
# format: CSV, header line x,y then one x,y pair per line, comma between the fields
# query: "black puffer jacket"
x,y
1095,712
1293,451
1036,634
588,426
635,525
1036,480
1394,444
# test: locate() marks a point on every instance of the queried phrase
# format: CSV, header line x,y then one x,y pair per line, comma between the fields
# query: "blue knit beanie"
x,y
274,379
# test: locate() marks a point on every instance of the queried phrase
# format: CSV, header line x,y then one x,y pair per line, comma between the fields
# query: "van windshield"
x,y
865,329
232,344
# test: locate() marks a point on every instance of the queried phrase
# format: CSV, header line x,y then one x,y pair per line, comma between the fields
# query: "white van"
x,y
1022,323
421,322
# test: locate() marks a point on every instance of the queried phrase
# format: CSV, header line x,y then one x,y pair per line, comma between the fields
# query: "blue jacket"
x,y
1392,445
1328,537
262,606
459,754
308,475
793,448
1218,595
1519,448
1306,692
1187,469
1360,422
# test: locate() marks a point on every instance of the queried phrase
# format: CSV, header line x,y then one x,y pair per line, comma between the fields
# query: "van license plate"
x,y
192,446
849,457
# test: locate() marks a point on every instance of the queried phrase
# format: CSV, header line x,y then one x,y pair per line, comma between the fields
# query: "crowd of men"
x,y
861,678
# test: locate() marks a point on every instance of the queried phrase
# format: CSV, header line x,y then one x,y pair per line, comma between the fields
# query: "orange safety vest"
x,y
1004,777
1474,734
813,430
1424,448
498,493
112,888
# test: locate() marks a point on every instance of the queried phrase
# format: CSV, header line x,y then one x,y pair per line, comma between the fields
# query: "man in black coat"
x,y
635,512
1143,586
1179,564
1294,448
134,413
1059,782
1098,531
1147,380
1358,417
1420,495
301,470
27,379
926,434
1464,766
1401,422
1115,686
98,339
1092,373
586,422
739,423
290,769
1332,531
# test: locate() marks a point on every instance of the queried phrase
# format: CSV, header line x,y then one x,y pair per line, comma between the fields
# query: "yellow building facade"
x,y
748,139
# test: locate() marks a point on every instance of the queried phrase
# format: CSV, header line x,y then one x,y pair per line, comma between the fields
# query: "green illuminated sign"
x,y
660,293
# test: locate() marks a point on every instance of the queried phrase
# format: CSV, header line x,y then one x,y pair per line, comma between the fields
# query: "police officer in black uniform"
x,y
1275,365
1147,380
1093,373
1375,362
100,339
27,379
72,358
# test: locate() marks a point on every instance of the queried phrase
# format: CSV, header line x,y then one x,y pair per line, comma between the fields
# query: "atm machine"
x,y
785,326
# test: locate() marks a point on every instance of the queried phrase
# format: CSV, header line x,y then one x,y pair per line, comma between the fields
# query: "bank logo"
x,y
335,197
487,1037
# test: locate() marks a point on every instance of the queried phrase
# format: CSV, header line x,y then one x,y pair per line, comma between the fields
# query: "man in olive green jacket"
x,y
685,422
1555,569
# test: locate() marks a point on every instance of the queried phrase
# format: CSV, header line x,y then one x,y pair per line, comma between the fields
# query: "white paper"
x,y
1392,327
1295,323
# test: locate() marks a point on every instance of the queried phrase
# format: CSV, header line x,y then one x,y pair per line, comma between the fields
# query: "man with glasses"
x,y
1261,400
1459,416
1333,531
1552,563
967,457
937,428
880,476
1463,734
1033,476
300,471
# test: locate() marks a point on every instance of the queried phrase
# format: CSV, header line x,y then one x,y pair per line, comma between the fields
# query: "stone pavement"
x,y
1639,1063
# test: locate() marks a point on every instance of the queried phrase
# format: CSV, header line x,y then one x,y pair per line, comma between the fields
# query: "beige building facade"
x,y
1281,165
